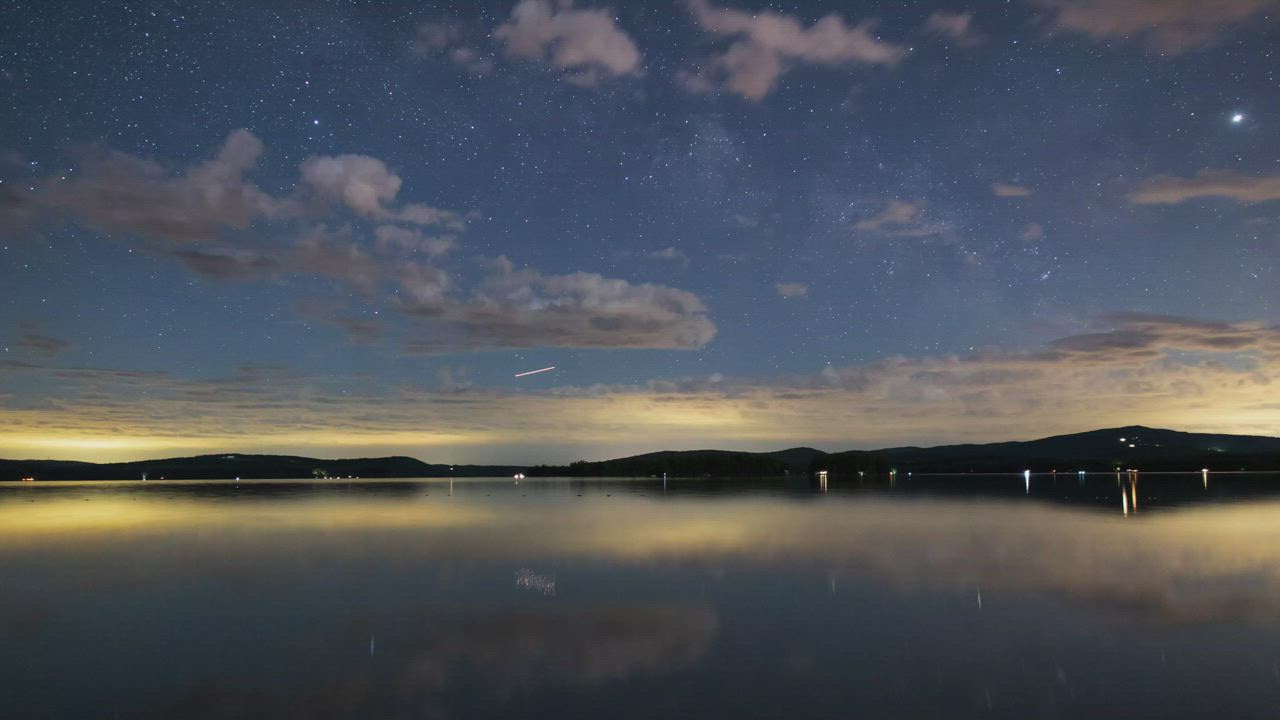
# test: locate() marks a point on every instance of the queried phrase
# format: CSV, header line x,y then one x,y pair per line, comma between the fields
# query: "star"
x,y
1237,118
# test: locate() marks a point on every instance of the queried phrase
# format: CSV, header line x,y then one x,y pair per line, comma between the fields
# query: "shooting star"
x,y
535,372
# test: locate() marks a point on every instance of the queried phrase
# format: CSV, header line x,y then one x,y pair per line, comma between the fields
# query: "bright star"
x,y
1237,118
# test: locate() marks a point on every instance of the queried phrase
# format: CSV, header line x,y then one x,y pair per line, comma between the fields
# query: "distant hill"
x,y
257,467
1134,446
797,459
676,463
1097,450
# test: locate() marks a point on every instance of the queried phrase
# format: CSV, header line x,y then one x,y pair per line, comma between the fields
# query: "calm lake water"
x,y
937,598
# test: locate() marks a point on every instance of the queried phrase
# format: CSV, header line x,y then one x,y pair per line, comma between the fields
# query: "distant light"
x,y
1237,118
1132,445
1122,440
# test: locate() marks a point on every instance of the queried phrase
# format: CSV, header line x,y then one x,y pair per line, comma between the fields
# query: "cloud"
x,y
420,214
1125,369
525,308
955,26
768,44
508,308
333,254
208,202
585,40
360,329
1169,190
1167,26
1007,190
447,38
792,290
226,263
900,218
365,186
411,241
672,254
120,193
1032,232
454,378
425,288
1145,333
362,183
34,339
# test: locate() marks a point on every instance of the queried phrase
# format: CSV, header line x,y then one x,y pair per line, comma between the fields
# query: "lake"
x,y
958,597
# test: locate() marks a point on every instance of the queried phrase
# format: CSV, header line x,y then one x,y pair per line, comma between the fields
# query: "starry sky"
x,y
341,228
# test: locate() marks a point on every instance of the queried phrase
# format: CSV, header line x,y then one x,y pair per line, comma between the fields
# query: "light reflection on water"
x,y
1151,597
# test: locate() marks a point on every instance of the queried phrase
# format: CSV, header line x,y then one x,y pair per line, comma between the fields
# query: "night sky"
x,y
342,228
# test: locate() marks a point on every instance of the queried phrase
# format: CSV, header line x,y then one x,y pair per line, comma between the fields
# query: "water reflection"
x,y
439,599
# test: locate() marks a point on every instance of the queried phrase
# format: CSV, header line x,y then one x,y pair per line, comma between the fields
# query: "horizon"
x,y
553,231
693,448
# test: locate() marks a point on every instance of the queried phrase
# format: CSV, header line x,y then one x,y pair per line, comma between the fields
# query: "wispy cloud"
x,y
671,254
955,27
1009,190
447,38
1226,184
1132,369
900,218
791,289
33,338
1167,26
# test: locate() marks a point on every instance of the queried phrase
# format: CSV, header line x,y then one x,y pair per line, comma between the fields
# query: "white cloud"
x,y
584,40
362,183
768,44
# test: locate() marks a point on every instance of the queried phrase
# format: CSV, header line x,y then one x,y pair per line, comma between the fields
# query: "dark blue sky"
x,y
720,222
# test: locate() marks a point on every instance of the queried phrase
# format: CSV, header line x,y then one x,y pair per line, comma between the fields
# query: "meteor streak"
x,y
535,372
